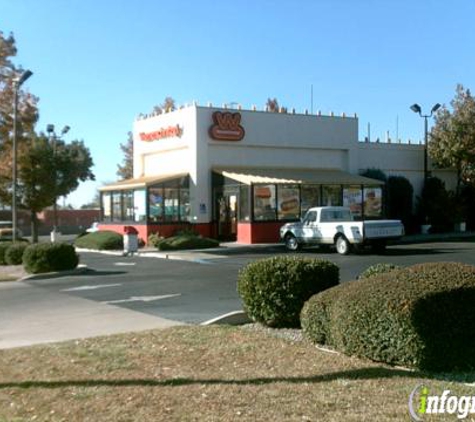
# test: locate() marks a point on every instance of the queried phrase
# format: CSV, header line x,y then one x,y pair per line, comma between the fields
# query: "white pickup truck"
x,y
336,226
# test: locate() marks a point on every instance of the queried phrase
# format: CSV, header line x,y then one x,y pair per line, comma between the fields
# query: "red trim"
x,y
262,232
165,230
267,232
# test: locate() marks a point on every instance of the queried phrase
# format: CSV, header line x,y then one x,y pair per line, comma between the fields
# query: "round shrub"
x,y
14,253
101,240
48,257
421,316
378,269
274,290
3,248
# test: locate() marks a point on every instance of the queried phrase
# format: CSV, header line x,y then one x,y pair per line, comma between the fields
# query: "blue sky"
x,y
98,64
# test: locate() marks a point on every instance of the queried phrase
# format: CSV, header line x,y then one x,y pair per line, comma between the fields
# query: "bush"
x,y
47,257
421,316
186,242
154,239
399,200
14,253
377,269
3,248
100,240
274,290
435,206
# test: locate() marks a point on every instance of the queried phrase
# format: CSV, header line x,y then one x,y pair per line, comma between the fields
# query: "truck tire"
x,y
342,245
291,242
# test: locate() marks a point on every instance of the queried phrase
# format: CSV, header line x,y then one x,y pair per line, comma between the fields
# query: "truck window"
x,y
310,217
336,215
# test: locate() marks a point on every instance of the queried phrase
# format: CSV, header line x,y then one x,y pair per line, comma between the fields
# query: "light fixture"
x,y
416,108
435,108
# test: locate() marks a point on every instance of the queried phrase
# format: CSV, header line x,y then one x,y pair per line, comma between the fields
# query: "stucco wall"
x,y
401,160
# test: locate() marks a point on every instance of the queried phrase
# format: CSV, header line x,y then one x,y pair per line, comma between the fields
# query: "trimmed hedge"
x,y
377,269
3,249
47,257
100,240
421,316
185,241
14,253
274,290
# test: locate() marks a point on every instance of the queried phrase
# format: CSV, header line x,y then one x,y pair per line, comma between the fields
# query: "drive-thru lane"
x,y
194,292
121,294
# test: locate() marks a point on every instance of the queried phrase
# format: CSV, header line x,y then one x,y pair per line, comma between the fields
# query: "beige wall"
x,y
271,140
401,160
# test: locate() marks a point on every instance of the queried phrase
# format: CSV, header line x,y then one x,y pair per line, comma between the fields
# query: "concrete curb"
x,y
231,318
80,269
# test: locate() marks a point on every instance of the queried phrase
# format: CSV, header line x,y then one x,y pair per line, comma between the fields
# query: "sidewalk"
x,y
202,256
31,315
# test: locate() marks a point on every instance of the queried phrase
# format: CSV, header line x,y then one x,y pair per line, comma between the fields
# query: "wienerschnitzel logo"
x,y
421,403
226,126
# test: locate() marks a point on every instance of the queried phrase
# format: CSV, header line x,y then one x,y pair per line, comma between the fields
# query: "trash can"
x,y
131,240
55,236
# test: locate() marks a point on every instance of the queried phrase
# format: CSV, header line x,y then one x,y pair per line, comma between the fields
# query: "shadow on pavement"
x,y
86,272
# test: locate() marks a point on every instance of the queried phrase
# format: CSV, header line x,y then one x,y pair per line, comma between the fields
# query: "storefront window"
x,y
140,210
373,202
128,205
331,196
171,204
244,206
352,198
170,201
155,204
288,202
185,208
106,206
117,206
264,202
309,197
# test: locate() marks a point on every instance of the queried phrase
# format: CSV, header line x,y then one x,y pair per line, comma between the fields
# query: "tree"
x,y
435,206
48,171
452,139
374,173
95,202
272,105
167,106
27,113
126,169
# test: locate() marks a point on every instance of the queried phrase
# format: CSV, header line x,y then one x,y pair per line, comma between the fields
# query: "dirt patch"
x,y
12,272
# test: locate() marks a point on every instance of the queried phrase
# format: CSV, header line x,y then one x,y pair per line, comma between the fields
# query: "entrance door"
x,y
227,217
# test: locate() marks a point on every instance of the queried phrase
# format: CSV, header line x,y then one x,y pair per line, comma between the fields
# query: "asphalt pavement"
x,y
153,290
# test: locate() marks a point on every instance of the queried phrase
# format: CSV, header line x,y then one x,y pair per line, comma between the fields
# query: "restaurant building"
x,y
238,174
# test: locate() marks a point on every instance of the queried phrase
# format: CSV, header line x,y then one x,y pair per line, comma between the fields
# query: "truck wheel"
x,y
291,243
342,245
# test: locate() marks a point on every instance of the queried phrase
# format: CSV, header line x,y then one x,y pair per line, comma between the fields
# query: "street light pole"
x,y
17,83
416,108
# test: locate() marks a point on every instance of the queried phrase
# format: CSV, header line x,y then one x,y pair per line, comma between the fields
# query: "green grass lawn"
x,y
204,374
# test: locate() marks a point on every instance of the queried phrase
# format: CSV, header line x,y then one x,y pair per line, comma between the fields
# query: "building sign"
x,y
167,132
226,126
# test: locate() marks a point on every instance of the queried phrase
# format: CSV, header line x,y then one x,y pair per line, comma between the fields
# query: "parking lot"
x,y
119,293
